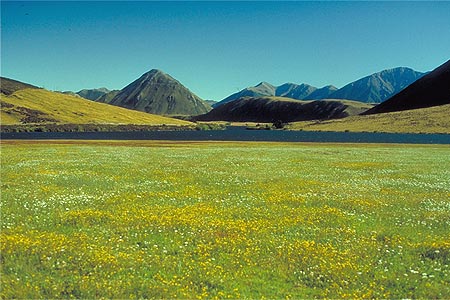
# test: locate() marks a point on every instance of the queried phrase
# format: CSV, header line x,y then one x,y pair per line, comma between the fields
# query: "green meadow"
x,y
124,219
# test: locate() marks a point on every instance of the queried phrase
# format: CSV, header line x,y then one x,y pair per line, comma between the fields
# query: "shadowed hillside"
x,y
271,109
9,86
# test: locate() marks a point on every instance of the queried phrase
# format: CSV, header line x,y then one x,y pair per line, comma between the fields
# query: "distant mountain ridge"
x,y
374,88
430,90
158,93
289,90
93,94
107,98
379,86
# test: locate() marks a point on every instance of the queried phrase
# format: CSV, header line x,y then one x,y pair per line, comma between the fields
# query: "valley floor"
x,y
146,219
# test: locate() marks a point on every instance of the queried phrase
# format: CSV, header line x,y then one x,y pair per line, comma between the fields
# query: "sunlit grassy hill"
x,y
38,106
427,120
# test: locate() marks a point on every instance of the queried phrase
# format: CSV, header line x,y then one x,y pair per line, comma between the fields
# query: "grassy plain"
x,y
425,120
124,219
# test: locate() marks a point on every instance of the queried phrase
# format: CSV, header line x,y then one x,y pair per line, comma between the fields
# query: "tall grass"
x,y
224,220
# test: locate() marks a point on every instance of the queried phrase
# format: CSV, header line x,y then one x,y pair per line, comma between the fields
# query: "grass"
x,y
425,120
125,219
37,106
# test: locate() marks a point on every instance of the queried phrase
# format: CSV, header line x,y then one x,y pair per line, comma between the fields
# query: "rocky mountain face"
x,y
158,93
432,89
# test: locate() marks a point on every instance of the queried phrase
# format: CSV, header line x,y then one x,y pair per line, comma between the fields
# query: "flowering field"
x,y
224,220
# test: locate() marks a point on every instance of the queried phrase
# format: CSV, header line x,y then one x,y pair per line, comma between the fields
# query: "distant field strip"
x,y
107,219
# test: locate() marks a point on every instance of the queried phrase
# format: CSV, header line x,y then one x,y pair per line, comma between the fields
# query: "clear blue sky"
x,y
217,48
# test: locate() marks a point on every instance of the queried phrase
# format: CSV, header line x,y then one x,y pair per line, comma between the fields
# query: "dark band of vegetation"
x,y
104,127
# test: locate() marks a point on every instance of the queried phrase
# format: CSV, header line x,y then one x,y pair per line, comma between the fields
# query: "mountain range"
x,y
432,89
379,86
289,90
157,92
374,88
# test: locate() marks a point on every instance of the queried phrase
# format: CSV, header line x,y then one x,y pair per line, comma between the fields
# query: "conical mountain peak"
x,y
158,93
155,73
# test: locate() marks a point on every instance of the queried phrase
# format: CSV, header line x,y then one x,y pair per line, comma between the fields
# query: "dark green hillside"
x,y
271,109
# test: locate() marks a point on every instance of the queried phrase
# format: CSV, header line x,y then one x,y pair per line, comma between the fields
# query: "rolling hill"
x,y
39,106
271,109
9,86
424,120
158,93
431,90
